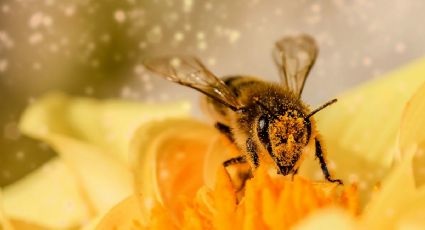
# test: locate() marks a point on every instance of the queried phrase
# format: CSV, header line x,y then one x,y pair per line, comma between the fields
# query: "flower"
x,y
374,141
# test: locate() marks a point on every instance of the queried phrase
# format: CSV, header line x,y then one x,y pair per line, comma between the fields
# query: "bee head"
x,y
284,136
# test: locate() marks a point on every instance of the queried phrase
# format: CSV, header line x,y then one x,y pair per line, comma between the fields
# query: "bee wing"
x,y
294,57
189,71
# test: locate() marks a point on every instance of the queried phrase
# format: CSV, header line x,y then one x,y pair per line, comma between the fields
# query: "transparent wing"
x,y
190,72
294,57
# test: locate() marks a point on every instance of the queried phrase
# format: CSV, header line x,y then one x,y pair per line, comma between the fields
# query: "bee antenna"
x,y
321,107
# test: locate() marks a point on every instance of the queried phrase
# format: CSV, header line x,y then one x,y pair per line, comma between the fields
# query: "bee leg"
x,y
242,175
294,173
234,160
224,129
252,149
323,166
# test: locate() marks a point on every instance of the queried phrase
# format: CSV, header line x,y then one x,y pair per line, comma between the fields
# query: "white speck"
x,y
200,35
420,153
49,2
5,8
11,131
120,16
390,212
20,155
208,6
105,38
149,203
332,165
47,21
6,174
202,45
64,41
400,47
31,100
178,36
362,185
316,8
6,40
53,48
36,66
118,57
187,27
139,69
148,87
69,11
35,38
36,20
187,5
180,156
353,178
175,62
234,36
143,45
95,63
164,174
211,61
91,46
313,19
145,78
367,61
89,90
3,65
126,92
164,97
154,35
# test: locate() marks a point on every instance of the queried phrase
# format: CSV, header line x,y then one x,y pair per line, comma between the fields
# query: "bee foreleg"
x,y
322,161
294,173
234,160
224,129
241,176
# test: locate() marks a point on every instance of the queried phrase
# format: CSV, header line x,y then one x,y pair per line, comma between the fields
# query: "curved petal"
x,y
108,124
168,159
92,139
412,133
125,215
360,130
62,206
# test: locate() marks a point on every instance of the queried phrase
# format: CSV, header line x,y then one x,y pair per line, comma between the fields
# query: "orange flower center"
x,y
270,202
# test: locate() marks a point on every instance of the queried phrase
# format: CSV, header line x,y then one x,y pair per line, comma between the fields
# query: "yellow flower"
x,y
167,177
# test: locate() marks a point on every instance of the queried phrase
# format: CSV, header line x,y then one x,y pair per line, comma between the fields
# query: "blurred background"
x,y
95,49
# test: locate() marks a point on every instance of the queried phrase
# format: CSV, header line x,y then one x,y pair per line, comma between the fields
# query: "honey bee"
x,y
267,121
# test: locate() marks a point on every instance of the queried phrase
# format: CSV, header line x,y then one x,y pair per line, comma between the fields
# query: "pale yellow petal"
x,y
5,223
126,215
49,196
412,133
329,218
360,130
105,123
92,137
390,201
102,179
413,215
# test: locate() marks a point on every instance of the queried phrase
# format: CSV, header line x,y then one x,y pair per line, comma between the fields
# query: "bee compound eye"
x,y
262,130
261,123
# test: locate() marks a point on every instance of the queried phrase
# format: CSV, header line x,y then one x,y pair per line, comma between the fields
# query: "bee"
x,y
267,121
